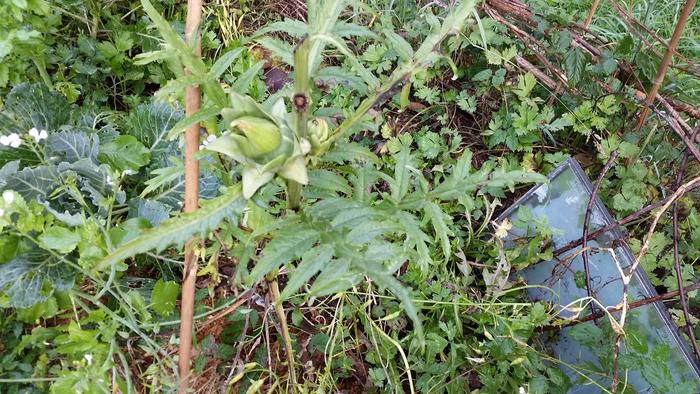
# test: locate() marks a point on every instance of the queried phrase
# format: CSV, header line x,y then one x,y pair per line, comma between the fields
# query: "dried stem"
x,y
677,125
499,9
589,208
626,220
632,305
189,272
275,293
654,89
627,278
676,257
591,12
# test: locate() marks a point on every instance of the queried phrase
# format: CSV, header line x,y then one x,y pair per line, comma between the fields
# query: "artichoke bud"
x,y
318,130
263,135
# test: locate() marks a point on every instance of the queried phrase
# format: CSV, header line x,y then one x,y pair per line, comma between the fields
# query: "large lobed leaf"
x,y
34,105
150,124
22,279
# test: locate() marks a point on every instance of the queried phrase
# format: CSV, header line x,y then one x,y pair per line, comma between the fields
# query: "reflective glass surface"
x,y
651,335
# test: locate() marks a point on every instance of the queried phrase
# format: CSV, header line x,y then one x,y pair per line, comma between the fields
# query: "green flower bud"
x,y
319,133
318,129
263,135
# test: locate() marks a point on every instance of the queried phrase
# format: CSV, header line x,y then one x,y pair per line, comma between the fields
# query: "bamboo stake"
x,y
589,18
189,272
654,89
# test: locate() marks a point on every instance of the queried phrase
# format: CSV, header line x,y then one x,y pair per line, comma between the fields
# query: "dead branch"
x,y
499,9
626,220
676,257
632,305
589,208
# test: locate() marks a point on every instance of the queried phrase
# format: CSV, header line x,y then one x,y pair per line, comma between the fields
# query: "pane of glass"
x,y
657,357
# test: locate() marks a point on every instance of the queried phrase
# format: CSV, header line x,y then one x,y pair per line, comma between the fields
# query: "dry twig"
x,y
589,208
676,257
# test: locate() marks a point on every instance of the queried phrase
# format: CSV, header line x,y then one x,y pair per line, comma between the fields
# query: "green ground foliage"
x,y
420,129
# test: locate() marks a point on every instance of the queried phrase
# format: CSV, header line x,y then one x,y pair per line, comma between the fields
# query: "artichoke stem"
x,y
293,195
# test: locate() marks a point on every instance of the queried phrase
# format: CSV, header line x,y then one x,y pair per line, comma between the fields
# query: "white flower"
x,y
8,196
305,146
38,135
2,212
88,357
11,140
521,390
210,138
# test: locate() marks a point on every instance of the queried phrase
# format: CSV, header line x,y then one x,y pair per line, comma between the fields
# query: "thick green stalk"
x,y
301,103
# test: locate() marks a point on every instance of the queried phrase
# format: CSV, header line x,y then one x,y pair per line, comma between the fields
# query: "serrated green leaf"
x,y
201,115
370,230
350,30
574,64
210,86
242,84
439,220
329,180
278,48
402,174
399,44
371,81
335,277
224,62
337,75
286,245
176,231
416,238
311,263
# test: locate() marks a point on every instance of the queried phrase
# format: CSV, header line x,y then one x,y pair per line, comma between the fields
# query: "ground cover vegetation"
x,y
362,215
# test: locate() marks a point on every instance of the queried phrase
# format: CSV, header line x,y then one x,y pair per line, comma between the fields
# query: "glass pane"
x,y
657,357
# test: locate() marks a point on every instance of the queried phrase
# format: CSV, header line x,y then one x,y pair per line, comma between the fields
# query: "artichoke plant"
x,y
263,140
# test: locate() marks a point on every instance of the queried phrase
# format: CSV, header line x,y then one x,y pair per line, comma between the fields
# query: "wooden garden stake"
x,y
189,272
654,89
589,18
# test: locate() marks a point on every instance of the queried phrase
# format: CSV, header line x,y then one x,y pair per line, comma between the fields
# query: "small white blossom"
x,y
8,196
210,138
521,390
305,146
38,135
11,140
88,357
2,212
